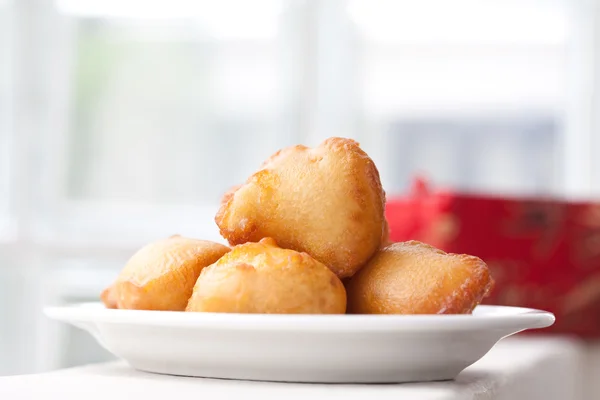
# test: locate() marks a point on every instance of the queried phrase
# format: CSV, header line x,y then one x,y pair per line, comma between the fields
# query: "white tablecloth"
x,y
516,368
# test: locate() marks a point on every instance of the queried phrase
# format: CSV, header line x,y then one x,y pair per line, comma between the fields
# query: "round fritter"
x,y
327,201
415,278
264,278
162,274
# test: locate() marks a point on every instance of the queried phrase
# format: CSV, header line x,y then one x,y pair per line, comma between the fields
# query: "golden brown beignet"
x,y
415,278
264,278
162,274
326,201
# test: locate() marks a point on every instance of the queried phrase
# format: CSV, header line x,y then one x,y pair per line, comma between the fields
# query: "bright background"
x,y
124,121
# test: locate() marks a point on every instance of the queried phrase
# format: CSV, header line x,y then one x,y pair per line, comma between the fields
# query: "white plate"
x,y
301,348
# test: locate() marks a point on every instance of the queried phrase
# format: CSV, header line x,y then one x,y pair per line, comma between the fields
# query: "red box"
x,y
543,253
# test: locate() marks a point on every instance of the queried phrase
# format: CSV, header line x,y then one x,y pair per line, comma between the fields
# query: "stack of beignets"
x,y
306,219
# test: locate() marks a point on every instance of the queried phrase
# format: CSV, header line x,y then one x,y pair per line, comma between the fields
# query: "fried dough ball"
x,y
326,201
162,274
415,278
264,278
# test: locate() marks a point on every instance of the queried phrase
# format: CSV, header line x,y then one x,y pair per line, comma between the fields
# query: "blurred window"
x,y
171,103
174,109
467,92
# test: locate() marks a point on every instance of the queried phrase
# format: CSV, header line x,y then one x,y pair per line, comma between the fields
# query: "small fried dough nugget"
x,y
327,201
415,278
264,278
162,274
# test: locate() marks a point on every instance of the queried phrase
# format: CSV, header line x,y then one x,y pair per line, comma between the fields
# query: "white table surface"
x,y
516,368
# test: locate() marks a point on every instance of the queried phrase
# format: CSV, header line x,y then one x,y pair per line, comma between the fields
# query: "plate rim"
x,y
513,318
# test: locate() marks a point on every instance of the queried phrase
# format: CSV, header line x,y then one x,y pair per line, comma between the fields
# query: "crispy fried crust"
x,y
264,278
415,278
327,202
162,274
